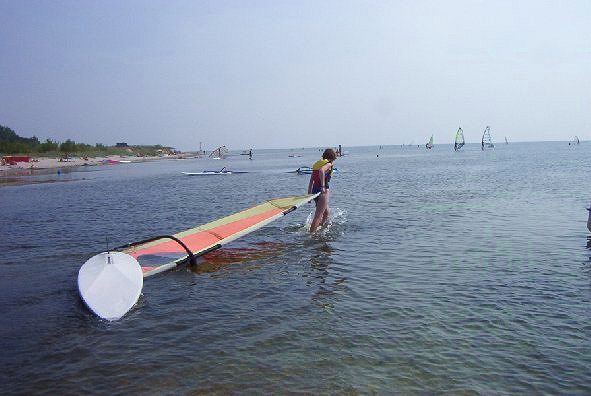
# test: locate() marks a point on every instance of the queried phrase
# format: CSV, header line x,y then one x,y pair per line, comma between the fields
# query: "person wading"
x,y
321,173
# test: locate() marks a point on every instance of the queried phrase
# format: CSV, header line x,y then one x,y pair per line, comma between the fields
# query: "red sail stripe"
x,y
203,239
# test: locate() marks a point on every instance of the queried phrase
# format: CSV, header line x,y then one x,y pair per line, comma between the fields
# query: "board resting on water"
x,y
213,173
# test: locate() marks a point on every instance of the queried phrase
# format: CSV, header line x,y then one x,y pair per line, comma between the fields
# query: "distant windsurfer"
x,y
321,173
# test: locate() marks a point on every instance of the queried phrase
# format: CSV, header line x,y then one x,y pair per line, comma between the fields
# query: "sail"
x,y
459,142
487,139
506,142
166,252
576,140
429,144
219,152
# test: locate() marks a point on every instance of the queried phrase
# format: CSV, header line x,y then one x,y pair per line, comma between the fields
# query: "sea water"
x,y
440,271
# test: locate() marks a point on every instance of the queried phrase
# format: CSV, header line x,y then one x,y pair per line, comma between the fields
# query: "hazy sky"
x,y
278,74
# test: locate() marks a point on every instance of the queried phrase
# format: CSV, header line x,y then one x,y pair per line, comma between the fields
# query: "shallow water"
x,y
440,272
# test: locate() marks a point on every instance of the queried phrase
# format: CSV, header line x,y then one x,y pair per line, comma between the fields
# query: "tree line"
x,y
12,143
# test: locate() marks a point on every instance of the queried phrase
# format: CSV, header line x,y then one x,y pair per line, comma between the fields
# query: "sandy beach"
x,y
55,163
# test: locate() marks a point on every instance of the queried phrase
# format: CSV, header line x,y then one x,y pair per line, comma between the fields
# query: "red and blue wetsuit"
x,y
316,182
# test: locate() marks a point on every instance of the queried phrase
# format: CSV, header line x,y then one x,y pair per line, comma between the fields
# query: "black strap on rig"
x,y
192,258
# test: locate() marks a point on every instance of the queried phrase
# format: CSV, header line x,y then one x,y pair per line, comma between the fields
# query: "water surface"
x,y
440,272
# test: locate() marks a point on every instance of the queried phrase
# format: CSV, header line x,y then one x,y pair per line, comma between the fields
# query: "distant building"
x,y
121,144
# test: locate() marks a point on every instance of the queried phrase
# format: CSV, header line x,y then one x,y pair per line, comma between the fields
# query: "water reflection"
x,y
225,257
328,286
320,258
36,176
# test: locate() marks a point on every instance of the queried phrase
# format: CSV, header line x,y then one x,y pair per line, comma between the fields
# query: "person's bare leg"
x,y
324,218
327,210
321,207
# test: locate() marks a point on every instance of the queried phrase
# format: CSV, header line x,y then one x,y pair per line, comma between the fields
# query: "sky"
x,y
286,74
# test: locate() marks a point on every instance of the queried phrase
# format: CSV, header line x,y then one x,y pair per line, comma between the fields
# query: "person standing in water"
x,y
321,173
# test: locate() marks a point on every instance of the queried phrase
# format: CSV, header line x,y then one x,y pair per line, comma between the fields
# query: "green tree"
x,y
69,146
47,146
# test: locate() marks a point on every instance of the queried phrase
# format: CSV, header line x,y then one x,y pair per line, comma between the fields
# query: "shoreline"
x,y
56,163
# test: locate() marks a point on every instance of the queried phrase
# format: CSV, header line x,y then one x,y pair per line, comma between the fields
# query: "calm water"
x,y
440,272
